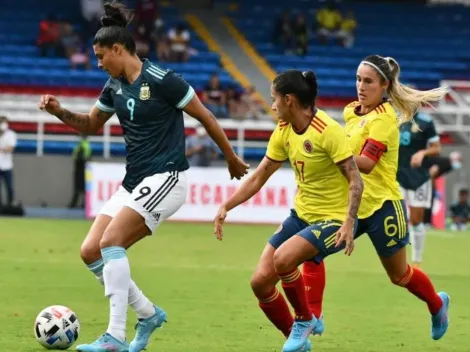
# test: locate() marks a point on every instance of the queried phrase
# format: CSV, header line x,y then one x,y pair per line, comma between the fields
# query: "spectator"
x,y
74,48
253,106
234,104
328,22
7,146
346,35
179,38
283,33
301,35
215,98
49,36
460,212
92,10
142,41
81,155
201,149
146,13
160,39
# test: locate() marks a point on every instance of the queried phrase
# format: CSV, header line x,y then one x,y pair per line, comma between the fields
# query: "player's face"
x,y
109,59
280,104
370,86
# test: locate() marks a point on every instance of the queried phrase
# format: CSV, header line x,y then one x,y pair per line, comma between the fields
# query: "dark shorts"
x,y
387,228
321,234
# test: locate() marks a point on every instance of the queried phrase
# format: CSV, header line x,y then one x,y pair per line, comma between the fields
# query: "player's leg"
x,y
418,201
314,275
314,242
265,278
387,228
91,254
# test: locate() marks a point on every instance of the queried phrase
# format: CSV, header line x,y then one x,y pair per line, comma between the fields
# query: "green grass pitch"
x,y
203,284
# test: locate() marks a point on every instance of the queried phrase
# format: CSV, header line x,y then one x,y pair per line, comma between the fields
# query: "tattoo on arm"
x,y
349,169
77,121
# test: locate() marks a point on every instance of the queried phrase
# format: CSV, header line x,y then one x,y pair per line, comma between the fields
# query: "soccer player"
x,y
418,139
322,221
372,128
149,102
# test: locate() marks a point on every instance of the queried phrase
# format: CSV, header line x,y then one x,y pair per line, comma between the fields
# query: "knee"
x,y
398,278
90,253
260,285
283,262
109,239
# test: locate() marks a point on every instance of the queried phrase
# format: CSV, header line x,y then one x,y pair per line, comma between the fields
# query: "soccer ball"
x,y
56,328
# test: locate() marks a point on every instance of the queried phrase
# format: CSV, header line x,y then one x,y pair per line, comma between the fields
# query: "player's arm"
x,y
254,183
86,123
350,170
10,144
433,147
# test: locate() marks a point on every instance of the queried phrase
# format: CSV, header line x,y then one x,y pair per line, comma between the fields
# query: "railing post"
x,y
40,139
241,140
106,141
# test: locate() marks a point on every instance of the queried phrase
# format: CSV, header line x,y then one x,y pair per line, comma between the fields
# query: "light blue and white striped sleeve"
x,y
106,102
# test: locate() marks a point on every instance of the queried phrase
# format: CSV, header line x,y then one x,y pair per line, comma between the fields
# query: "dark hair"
x,y
113,31
301,84
463,191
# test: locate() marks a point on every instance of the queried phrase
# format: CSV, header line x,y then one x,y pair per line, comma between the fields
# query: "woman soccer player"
x,y
323,218
372,128
418,139
149,102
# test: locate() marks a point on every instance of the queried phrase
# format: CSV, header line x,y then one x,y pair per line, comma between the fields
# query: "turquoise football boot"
x,y
106,343
440,321
144,329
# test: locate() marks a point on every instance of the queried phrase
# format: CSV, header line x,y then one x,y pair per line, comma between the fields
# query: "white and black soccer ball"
x,y
56,328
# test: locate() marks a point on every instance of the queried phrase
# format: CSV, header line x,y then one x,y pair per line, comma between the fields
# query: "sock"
x,y
315,280
419,284
277,311
116,275
417,236
142,306
293,285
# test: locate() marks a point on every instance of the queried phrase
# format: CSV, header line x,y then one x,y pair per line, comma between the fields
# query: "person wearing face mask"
x,y
200,149
7,146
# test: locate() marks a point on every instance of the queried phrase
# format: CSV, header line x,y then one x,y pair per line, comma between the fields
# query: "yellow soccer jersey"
x,y
322,189
379,128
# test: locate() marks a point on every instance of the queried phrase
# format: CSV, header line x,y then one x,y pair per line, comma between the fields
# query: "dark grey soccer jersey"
x,y
413,138
151,116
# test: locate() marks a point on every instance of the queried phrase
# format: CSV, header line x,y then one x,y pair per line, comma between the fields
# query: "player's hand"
x,y
50,104
237,168
346,234
219,223
417,159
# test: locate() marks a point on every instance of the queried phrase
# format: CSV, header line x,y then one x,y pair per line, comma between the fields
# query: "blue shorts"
x,y
387,228
320,234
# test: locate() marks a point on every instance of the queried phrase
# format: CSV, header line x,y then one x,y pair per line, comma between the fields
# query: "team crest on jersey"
x,y
362,123
308,147
144,92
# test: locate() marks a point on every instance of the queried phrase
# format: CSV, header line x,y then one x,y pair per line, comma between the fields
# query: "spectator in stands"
x,y
142,41
200,148
81,155
301,35
160,39
283,33
92,10
328,22
179,38
146,13
73,46
7,146
460,211
234,104
49,36
346,34
253,106
215,98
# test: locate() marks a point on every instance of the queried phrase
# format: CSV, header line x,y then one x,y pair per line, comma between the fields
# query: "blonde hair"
x,y
405,99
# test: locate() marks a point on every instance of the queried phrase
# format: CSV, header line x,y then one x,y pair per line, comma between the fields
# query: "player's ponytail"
x,y
303,85
405,99
113,31
408,100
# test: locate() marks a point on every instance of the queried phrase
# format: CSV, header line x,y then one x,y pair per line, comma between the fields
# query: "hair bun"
x,y
116,14
310,78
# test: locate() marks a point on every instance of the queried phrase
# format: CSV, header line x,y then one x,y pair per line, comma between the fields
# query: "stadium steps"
x,y
219,40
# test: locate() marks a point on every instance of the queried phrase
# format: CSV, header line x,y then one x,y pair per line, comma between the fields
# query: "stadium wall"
x,y
48,180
